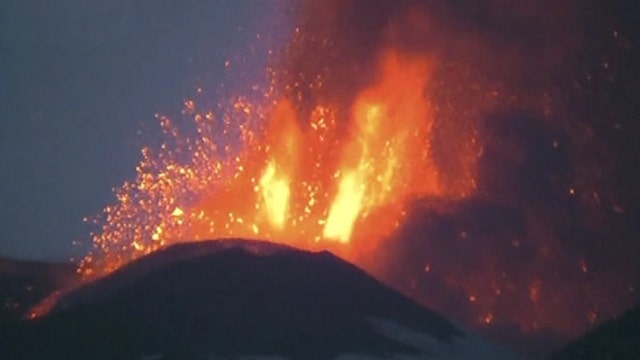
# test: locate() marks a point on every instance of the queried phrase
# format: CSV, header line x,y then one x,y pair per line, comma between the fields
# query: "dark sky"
x,y
80,84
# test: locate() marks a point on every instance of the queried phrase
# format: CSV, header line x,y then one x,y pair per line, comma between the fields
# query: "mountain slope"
x,y
228,299
25,283
615,339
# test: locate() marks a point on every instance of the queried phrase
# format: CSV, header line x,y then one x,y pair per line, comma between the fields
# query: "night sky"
x,y
80,84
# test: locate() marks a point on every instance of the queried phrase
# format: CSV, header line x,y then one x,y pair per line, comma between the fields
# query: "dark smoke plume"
x,y
541,94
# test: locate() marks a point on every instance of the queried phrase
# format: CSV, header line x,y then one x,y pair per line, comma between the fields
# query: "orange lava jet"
x,y
313,183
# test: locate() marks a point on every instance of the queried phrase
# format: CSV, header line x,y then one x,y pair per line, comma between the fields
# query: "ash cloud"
x,y
539,95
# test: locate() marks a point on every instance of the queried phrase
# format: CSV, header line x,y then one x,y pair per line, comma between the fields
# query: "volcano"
x,y
240,299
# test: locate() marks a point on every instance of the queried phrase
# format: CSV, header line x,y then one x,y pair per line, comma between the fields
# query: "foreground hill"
x,y
25,283
241,299
617,339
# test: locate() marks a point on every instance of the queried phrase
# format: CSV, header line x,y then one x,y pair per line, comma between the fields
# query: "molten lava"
x,y
295,181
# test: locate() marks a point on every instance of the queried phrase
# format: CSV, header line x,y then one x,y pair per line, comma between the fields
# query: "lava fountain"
x,y
317,183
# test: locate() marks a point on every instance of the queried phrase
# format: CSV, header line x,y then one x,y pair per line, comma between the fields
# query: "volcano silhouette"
x,y
241,299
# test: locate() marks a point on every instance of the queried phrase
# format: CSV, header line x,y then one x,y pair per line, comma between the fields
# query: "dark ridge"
x,y
617,339
24,283
228,298
136,270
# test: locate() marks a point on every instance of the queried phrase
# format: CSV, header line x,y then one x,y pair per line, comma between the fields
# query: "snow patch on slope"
x,y
461,347
426,346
